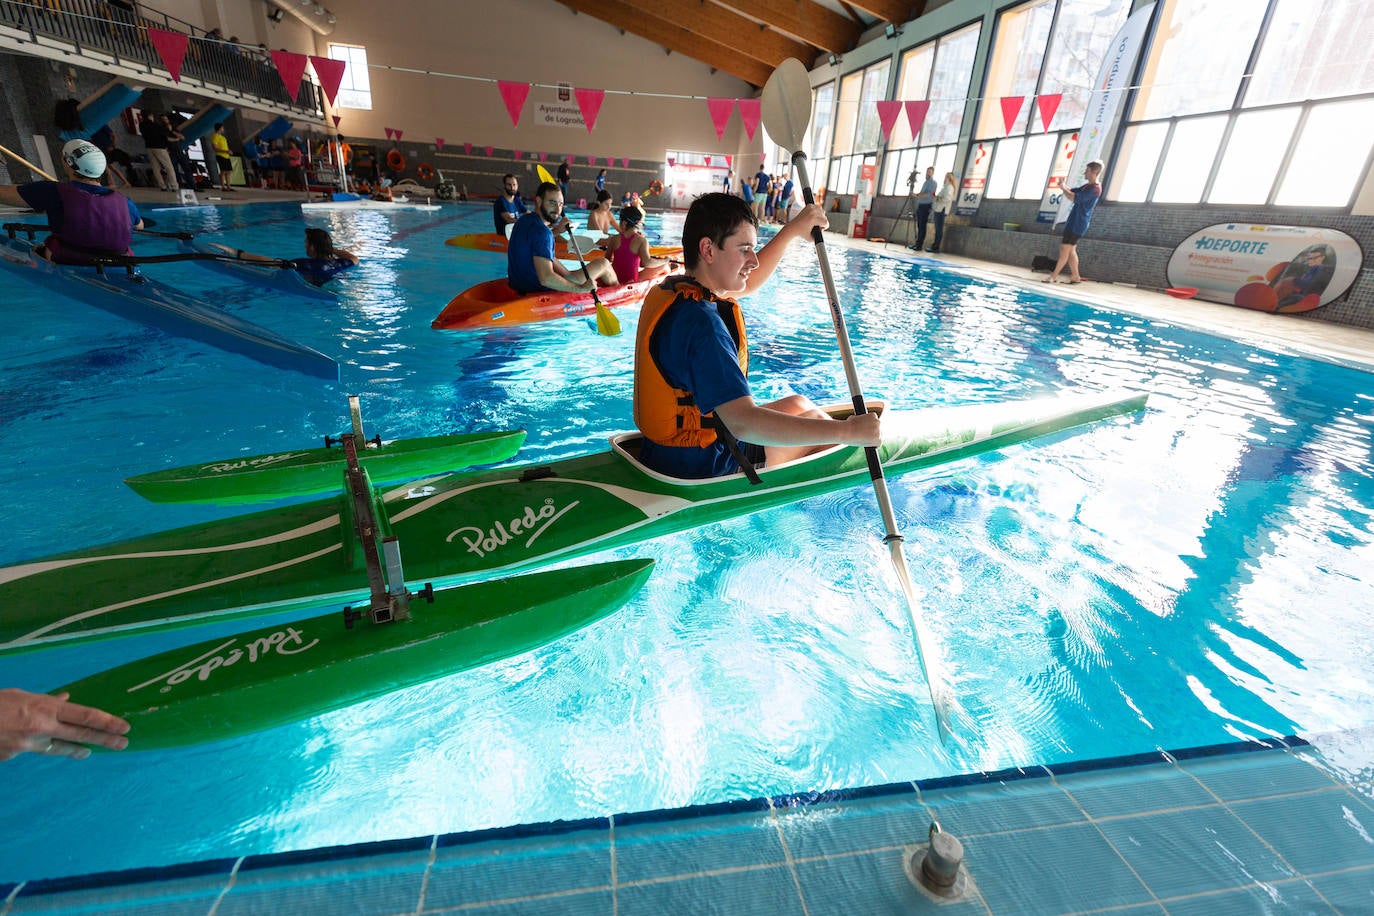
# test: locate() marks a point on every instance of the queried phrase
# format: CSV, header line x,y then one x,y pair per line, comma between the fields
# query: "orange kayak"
x,y
494,304
491,241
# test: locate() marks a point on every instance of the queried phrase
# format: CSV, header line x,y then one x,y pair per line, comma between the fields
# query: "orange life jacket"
x,y
664,414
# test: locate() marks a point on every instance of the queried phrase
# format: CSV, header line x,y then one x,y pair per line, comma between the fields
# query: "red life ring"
x,y
425,171
655,187
396,160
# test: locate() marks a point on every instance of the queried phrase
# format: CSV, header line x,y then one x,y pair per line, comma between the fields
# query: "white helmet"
x,y
84,157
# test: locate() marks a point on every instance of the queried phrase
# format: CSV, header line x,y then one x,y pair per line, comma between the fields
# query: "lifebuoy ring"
x,y
655,187
395,160
425,171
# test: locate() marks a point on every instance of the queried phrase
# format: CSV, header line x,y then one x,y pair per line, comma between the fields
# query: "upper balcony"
x,y
112,37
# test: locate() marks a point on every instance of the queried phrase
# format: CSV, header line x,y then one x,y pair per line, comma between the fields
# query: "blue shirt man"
x,y
531,260
509,206
531,238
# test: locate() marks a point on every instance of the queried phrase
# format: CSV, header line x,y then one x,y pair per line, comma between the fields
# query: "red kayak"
x,y
494,304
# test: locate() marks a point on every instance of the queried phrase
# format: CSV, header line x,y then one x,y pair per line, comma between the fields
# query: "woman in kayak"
x,y
629,251
322,261
692,399
600,219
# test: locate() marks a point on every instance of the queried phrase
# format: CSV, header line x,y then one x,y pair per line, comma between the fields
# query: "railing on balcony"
x,y
119,30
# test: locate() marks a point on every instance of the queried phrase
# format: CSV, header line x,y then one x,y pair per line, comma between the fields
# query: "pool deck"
x,y
1277,827
1273,827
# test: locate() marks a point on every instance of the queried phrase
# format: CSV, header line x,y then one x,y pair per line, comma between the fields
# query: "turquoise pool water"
x,y
1196,574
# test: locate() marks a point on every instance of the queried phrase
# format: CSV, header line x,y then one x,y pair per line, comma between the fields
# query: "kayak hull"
x,y
467,526
232,686
137,298
277,279
307,472
494,304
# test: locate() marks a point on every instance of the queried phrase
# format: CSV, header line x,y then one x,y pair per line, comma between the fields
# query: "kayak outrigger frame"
x,y
389,597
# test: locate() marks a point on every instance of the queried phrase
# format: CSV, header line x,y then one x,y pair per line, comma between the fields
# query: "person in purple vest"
x,y
87,219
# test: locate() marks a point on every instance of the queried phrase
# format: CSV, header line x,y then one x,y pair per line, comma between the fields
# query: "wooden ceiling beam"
x,y
727,28
804,20
893,11
674,37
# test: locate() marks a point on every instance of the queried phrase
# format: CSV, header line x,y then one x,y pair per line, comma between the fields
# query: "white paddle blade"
x,y
787,104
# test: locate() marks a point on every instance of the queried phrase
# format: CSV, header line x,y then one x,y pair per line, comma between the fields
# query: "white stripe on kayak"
x,y
96,612
652,505
32,569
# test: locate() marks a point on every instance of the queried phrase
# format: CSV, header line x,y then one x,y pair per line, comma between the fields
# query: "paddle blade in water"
x,y
606,323
787,104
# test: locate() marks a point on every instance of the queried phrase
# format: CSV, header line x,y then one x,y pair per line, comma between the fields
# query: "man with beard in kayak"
x,y
531,264
87,219
692,399
509,206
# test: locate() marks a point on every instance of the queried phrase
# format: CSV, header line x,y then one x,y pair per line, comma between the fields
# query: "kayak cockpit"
x,y
626,446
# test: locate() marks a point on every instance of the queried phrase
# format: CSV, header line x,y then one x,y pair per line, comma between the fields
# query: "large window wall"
x,y
857,130
938,71
1295,130
1041,48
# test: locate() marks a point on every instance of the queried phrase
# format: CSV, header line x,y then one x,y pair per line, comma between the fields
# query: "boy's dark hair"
x,y
545,187
603,195
712,216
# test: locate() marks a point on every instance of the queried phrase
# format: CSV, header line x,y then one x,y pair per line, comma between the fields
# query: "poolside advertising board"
x,y
1267,268
975,179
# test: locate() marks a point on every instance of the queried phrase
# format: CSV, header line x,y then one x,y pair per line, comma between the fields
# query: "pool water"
x,y
1196,574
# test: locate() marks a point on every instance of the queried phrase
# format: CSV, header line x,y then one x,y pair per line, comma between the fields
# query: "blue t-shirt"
x,y
319,271
1085,198
531,238
761,182
748,192
695,352
786,197
43,195
502,206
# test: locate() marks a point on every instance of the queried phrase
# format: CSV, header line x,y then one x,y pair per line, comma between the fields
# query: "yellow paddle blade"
x,y
544,175
607,324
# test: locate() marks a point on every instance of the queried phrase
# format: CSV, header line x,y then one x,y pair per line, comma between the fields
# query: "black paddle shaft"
x,y
875,466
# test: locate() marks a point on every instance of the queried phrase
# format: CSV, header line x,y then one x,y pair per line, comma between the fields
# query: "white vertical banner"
x,y
975,179
1096,136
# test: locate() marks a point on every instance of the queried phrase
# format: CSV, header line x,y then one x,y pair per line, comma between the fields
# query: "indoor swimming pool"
x,y
1192,575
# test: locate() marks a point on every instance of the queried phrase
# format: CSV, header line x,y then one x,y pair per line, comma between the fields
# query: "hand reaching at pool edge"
x,y
47,724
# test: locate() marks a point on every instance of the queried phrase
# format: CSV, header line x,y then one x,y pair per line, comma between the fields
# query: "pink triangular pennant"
x,y
887,116
467,148
397,134
720,110
514,95
330,73
708,160
1048,104
591,160
729,162
624,162
543,157
1011,109
337,119
517,153
589,102
672,161
290,67
438,144
388,132
916,115
750,110
171,48
490,151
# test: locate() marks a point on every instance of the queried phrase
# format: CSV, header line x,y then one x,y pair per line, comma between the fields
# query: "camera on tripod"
x,y
911,179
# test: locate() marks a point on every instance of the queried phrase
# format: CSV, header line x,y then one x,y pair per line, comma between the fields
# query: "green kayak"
x,y
473,525
304,472
231,686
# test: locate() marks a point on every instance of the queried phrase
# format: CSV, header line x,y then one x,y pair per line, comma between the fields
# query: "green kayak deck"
x,y
467,526
231,686
305,472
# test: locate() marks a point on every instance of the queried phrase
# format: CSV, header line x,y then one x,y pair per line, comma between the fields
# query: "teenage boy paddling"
x,y
692,395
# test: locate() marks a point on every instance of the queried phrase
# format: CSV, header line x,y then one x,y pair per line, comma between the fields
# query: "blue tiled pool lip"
x,y
226,867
